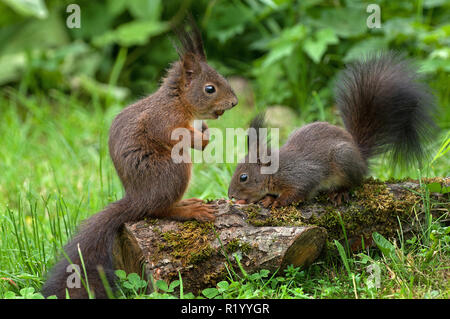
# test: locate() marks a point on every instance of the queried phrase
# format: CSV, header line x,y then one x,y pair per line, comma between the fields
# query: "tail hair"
x,y
386,108
95,241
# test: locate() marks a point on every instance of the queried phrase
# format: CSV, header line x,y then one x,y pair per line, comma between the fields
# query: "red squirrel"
x,y
384,107
140,147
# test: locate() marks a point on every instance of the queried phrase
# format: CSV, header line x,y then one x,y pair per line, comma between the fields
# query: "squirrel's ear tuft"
x,y
189,48
258,121
256,142
190,67
191,41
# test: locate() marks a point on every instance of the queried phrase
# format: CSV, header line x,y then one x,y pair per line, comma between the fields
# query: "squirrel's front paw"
x,y
205,135
199,136
338,197
205,142
277,204
267,201
287,198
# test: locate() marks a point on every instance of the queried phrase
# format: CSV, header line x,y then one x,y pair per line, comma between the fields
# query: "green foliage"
x,y
289,48
25,293
445,148
437,188
34,8
261,284
132,284
387,248
343,254
162,285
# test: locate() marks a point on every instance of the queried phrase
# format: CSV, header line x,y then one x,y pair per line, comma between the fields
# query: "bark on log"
x,y
201,251
267,239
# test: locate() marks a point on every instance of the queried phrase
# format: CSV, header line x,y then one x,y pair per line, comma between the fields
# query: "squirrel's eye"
x,y
243,177
210,89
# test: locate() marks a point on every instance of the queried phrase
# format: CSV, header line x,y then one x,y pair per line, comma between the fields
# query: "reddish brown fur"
x,y
140,147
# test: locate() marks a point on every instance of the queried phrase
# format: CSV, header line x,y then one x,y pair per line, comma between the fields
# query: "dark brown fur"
x,y
384,108
140,147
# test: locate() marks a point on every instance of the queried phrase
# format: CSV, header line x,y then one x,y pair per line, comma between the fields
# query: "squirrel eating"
x,y
384,107
140,147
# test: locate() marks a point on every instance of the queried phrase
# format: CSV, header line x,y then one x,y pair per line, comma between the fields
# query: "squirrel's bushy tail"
x,y
386,108
95,240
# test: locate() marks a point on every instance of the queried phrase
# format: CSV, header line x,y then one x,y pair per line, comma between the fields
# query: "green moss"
x,y
151,221
210,279
235,245
198,257
371,208
189,244
283,216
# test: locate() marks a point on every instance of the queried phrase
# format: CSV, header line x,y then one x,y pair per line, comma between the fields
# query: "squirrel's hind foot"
x,y
189,201
339,196
193,209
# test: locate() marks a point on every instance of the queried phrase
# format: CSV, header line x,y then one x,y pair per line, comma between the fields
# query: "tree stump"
x,y
259,238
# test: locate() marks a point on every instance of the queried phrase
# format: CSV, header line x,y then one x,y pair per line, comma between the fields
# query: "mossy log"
x,y
268,239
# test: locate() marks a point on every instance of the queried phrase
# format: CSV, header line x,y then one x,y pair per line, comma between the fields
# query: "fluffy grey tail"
x,y
386,108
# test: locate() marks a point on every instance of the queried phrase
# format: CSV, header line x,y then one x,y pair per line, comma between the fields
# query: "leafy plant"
x,y
25,293
132,282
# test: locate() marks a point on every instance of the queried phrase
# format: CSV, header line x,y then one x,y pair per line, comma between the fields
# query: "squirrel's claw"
x,y
205,213
337,197
267,201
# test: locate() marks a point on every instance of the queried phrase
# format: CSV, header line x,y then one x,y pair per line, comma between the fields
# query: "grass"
x,y
56,171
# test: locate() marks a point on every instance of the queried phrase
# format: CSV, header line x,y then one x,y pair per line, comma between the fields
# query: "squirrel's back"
x,y
385,107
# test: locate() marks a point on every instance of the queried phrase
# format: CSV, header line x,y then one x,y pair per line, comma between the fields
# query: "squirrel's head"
x,y
194,81
248,184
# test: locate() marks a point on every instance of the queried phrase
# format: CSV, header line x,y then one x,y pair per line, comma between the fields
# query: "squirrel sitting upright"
x,y
140,146
384,109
